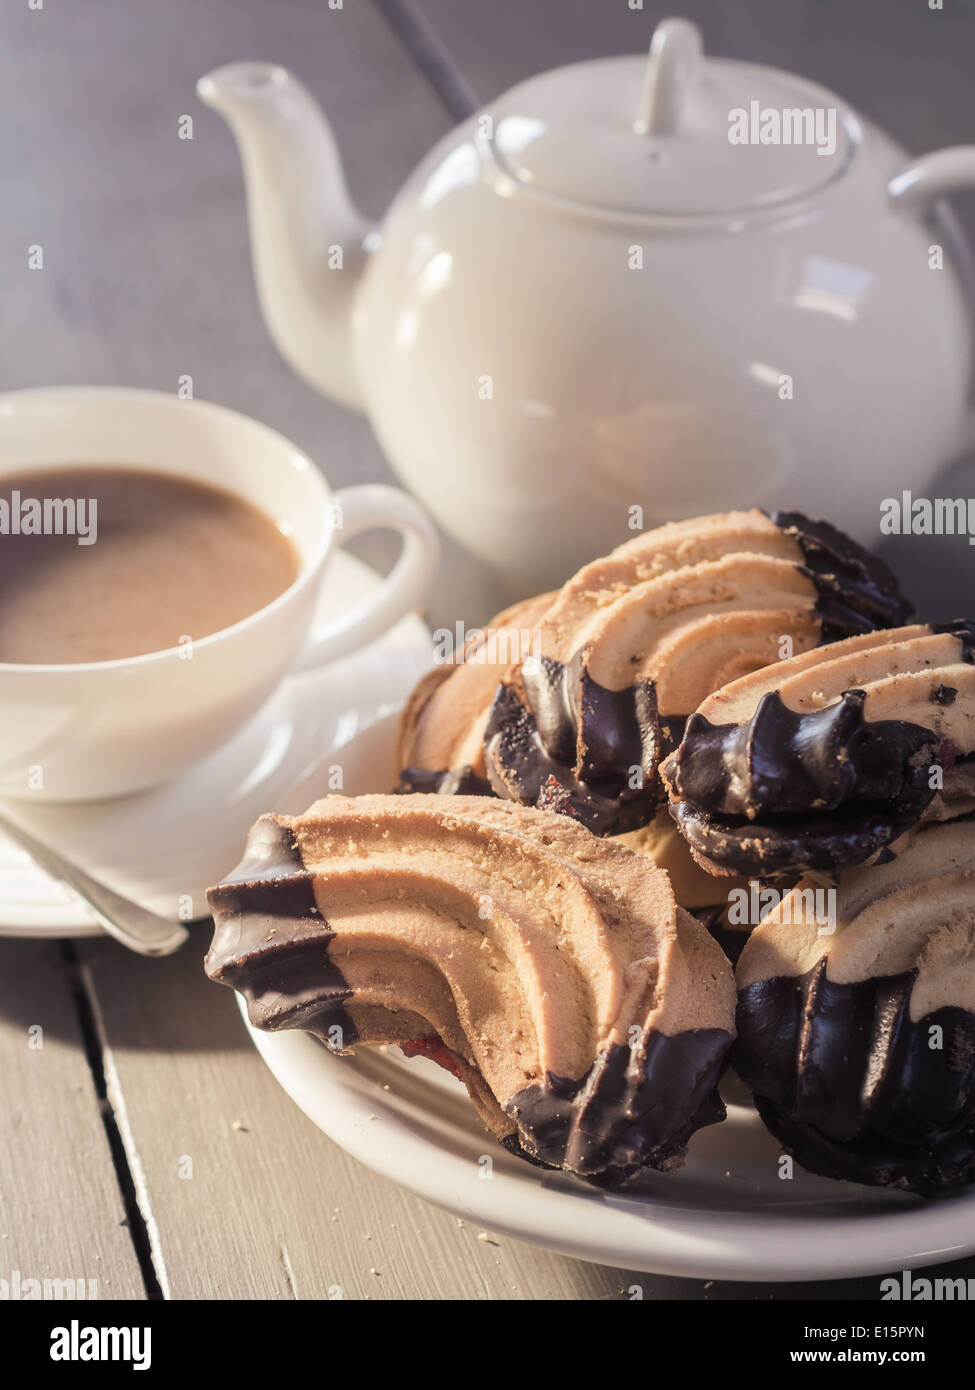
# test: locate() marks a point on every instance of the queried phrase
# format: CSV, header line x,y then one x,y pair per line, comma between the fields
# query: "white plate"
x,y
725,1215
164,847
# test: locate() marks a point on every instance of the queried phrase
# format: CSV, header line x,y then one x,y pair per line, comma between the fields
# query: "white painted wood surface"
x,y
230,1190
62,1214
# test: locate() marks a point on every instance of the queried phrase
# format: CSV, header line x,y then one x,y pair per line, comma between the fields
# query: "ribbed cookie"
x,y
824,760
441,731
857,1034
587,1014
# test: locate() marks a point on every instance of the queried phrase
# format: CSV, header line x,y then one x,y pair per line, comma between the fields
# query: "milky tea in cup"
x,y
100,563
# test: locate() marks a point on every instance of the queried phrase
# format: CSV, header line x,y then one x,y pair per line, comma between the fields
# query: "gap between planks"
x,y
430,54
111,1104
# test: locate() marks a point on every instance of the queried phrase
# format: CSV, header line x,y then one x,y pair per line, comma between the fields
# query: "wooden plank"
x,y
422,40
61,1212
246,1197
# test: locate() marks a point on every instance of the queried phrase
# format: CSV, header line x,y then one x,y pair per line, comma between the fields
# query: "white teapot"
x,y
626,291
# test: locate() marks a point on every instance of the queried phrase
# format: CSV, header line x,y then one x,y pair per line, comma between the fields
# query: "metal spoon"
x,y
136,927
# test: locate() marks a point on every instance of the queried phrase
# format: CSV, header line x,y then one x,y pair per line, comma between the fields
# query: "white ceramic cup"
x,y
107,728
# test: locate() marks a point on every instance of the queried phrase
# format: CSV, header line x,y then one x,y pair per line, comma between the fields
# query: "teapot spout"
x,y
308,241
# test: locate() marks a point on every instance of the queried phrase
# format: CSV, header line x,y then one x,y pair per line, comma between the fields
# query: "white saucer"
x,y
164,847
725,1215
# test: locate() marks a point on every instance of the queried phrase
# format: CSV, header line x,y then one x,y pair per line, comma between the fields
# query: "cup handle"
x,y
369,507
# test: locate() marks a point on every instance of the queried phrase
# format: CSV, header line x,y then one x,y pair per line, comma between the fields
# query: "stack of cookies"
x,y
737,700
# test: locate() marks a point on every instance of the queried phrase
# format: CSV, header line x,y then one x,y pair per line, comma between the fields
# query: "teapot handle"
x,y
932,176
964,445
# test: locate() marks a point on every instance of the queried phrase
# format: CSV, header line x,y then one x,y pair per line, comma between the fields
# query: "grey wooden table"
x,y
145,1145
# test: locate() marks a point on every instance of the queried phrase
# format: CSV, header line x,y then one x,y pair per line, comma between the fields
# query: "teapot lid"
x,y
678,135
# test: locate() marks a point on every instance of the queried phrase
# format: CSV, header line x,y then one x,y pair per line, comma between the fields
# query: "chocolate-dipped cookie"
x,y
856,1028
554,974
633,643
441,732
822,761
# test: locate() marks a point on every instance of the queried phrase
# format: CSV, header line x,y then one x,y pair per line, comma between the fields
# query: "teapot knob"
x,y
675,54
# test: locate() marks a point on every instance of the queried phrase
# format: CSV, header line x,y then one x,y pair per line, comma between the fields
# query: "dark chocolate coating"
x,y
788,791
857,591
781,762
852,1087
577,748
794,844
271,944
634,1108
459,781
569,745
